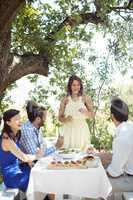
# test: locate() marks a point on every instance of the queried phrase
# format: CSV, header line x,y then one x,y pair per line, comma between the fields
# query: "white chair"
x,y
127,195
7,193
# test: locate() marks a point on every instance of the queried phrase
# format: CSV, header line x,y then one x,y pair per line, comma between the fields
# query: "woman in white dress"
x,y
75,108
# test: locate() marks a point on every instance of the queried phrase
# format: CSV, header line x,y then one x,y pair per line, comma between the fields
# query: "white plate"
x,y
71,154
68,155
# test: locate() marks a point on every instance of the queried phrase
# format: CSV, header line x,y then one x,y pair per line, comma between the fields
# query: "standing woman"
x,y
75,108
14,174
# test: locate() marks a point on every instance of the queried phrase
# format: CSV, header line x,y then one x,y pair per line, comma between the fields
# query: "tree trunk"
x,y
14,67
24,65
8,11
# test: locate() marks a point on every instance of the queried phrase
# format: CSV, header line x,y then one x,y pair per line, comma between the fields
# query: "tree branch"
x,y
73,21
85,18
120,8
127,7
24,65
121,15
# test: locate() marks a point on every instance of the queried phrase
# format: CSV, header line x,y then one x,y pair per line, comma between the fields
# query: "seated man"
x,y
31,137
120,162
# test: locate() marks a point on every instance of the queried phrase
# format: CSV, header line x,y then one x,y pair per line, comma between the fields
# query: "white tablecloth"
x,y
91,182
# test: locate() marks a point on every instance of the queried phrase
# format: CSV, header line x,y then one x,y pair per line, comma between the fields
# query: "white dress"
x,y
76,133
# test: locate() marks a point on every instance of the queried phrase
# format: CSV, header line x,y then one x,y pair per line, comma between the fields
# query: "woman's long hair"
x,y
71,79
7,129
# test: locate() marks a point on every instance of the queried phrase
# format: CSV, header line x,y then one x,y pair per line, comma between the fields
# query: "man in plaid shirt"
x,y
31,137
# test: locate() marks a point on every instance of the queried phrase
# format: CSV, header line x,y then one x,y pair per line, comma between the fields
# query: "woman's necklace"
x,y
75,97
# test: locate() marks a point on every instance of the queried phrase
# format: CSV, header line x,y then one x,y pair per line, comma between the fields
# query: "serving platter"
x,y
88,161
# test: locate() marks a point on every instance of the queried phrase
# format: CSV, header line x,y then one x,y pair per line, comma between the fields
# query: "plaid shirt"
x,y
31,139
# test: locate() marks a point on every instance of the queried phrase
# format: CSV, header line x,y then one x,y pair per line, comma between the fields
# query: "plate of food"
x,y
68,153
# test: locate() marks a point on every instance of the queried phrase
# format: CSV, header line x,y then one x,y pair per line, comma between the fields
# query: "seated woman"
x,y
14,174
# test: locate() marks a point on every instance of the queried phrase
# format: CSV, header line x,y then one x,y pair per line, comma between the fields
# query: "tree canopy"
x,y
35,36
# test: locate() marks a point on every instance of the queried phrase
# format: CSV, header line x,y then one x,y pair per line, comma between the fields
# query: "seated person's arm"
x,y
9,145
50,150
105,157
43,145
119,158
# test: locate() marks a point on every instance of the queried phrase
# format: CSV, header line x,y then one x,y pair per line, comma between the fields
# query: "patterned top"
x,y
31,139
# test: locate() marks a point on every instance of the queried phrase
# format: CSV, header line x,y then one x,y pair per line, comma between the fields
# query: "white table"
x,y
91,182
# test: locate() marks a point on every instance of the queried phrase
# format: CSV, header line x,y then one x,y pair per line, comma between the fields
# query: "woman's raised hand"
x,y
83,111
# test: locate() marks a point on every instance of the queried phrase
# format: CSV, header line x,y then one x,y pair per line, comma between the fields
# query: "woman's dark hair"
x,y
71,79
7,129
34,111
119,109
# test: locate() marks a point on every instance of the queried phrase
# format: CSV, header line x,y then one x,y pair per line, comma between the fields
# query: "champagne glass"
x,y
60,132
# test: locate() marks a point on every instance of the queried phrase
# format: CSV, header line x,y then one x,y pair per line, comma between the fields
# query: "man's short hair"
x,y
34,111
119,109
